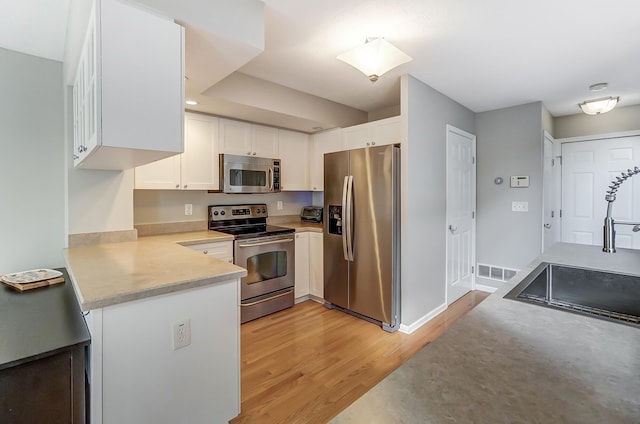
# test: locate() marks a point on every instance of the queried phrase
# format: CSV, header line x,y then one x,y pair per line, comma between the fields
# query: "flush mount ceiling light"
x,y
375,57
191,102
599,106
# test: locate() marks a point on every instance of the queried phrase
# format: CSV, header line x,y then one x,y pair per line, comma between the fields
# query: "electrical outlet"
x,y
188,209
181,334
520,206
279,205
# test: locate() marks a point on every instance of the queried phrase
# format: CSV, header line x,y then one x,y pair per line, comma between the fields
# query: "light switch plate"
x,y
520,206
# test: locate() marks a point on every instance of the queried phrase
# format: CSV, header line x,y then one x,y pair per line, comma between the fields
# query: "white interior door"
x,y
588,167
461,205
551,193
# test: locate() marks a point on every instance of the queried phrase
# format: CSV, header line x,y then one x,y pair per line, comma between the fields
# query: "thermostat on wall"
x,y
519,181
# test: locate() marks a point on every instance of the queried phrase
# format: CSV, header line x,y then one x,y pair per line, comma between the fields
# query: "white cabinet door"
x,y
160,175
264,141
222,250
294,153
385,131
196,169
301,287
321,143
199,162
235,137
132,110
376,133
316,278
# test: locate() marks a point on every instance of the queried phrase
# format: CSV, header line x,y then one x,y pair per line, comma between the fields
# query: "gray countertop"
x,y
511,362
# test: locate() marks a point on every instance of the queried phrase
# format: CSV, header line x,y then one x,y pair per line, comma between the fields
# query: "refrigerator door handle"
x,y
349,215
345,185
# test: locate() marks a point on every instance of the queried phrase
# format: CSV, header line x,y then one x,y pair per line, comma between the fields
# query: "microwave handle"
x,y
270,179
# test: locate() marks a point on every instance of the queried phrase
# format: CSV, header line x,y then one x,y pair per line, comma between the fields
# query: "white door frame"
x,y
556,187
472,138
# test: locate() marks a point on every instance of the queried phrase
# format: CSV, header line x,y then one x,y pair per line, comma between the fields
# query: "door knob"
x,y
547,225
453,228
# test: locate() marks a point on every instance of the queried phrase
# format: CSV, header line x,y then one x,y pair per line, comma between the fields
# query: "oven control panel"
x,y
229,212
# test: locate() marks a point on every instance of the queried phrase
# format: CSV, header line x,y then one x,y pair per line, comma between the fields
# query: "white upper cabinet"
x,y
196,169
264,141
294,150
376,133
321,143
244,139
128,93
235,137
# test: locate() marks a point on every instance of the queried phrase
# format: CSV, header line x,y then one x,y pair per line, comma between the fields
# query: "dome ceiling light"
x,y
375,57
599,106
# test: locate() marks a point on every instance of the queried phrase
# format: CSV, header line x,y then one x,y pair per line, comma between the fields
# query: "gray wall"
x,y
509,142
618,120
425,114
32,216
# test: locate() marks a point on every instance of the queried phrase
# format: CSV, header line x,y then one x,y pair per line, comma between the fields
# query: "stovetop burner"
x,y
243,221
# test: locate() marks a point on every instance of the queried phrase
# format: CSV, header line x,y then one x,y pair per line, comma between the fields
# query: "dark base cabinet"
x,y
43,338
49,390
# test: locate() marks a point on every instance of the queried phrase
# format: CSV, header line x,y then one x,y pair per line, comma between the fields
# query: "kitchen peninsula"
x,y
134,294
513,362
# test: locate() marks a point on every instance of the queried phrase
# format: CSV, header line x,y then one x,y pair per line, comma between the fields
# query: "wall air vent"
x,y
497,273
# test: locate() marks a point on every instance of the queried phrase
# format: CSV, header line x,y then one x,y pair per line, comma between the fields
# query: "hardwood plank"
x,y
308,363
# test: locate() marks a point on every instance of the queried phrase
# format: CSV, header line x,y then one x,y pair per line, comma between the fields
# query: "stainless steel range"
x,y
266,251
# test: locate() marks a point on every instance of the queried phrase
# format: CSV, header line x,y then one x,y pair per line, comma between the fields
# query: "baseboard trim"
x,y
408,329
484,288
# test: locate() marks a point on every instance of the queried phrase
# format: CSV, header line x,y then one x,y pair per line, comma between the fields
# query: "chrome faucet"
x,y
609,224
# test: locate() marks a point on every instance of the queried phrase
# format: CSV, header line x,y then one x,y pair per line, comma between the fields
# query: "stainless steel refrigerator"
x,y
362,233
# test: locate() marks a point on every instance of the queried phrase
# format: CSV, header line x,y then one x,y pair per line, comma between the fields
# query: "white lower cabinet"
x,y
222,250
301,287
195,169
316,276
309,277
136,376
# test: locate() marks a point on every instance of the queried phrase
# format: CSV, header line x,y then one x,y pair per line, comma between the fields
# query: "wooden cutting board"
x,y
34,285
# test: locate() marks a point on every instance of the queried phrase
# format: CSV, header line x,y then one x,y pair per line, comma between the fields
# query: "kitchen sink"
x,y
600,294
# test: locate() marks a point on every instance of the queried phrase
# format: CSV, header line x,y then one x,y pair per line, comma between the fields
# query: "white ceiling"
x,y
484,54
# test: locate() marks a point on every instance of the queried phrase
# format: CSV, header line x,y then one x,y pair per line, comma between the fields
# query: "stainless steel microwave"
x,y
248,174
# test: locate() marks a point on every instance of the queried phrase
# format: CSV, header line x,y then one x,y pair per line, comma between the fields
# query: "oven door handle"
x,y
264,243
244,305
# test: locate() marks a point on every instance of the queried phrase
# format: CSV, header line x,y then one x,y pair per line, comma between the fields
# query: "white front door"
x,y
588,167
461,206
550,193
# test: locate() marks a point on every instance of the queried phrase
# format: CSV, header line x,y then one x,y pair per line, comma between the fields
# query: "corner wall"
x,y
509,142
425,113
31,163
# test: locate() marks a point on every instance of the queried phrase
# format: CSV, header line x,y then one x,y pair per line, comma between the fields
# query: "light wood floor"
x,y
308,363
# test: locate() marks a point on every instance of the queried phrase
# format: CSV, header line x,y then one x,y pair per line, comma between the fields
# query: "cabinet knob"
x,y
177,185
206,252
368,143
373,143
254,153
185,186
76,157
249,153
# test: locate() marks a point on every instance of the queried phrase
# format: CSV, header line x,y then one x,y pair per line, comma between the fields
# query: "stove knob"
x,y
221,212
215,213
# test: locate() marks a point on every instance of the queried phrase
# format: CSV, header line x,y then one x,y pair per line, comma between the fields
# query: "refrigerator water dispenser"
x,y
335,219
